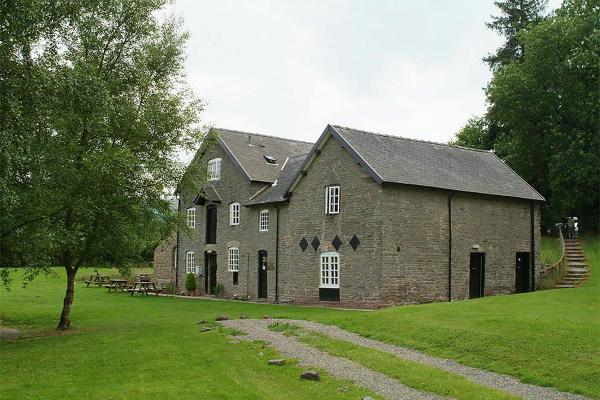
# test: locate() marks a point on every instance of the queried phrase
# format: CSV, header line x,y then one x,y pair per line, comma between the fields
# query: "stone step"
x,y
575,256
574,278
576,264
578,272
563,286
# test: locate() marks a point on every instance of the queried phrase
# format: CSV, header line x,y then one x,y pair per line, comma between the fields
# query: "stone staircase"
x,y
576,265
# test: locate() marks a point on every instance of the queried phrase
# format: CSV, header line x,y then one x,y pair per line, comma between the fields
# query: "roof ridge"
x,y
261,134
411,139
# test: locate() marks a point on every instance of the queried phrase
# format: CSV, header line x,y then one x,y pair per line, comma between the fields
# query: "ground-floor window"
x,y
234,259
330,270
190,262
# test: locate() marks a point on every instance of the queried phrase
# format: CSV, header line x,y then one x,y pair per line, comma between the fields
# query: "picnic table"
x,y
97,280
117,284
144,287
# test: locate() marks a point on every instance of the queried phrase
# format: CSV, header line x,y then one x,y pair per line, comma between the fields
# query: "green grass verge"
x,y
415,375
126,347
550,250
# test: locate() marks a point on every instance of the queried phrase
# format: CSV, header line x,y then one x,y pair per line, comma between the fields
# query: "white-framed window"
x,y
191,217
332,199
234,214
330,270
190,262
263,221
234,259
214,169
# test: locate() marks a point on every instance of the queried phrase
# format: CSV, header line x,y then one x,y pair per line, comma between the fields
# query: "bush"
x,y
190,283
219,289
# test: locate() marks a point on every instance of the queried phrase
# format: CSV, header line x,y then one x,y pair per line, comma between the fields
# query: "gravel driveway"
x,y
339,367
379,383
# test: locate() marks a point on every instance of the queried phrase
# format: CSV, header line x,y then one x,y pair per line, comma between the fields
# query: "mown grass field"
x,y
126,347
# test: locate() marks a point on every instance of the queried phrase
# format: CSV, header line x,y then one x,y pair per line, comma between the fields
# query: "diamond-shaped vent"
x,y
354,242
315,243
303,243
336,242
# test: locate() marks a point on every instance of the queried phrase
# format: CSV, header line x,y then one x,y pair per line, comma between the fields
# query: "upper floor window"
x,y
234,214
234,259
330,270
214,169
190,262
332,200
191,217
263,221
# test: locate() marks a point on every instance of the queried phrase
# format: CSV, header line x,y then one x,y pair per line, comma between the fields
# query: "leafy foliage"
x,y
190,282
516,17
544,104
94,111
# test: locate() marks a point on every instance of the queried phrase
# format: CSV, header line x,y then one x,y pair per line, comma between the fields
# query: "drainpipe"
x,y
450,245
277,256
177,250
532,213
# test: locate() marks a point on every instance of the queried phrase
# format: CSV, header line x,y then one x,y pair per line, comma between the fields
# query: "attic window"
x,y
270,159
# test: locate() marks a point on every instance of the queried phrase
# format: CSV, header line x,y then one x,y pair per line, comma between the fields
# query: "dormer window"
x,y
270,159
214,169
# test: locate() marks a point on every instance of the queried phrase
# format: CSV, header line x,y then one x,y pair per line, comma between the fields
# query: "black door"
x,y
262,274
476,275
210,272
211,224
522,272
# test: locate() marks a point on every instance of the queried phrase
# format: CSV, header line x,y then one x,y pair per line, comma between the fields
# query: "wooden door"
x,y
522,272
262,274
476,275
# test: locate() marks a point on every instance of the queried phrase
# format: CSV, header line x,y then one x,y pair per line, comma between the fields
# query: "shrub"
x,y
190,283
219,289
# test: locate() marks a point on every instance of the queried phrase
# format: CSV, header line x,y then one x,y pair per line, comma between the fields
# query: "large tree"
x,y
549,109
94,110
516,16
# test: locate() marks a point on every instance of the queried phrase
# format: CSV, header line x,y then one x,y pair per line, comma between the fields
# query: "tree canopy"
x,y
545,110
94,110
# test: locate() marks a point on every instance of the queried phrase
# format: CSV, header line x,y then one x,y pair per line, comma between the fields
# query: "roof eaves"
x,y
541,198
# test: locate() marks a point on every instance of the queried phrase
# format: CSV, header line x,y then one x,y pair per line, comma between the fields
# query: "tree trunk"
x,y
65,320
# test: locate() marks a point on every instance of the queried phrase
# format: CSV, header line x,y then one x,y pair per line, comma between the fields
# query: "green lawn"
x,y
126,347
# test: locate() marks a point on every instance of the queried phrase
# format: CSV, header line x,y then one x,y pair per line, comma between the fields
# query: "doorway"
x,y
476,275
211,224
210,272
522,272
262,274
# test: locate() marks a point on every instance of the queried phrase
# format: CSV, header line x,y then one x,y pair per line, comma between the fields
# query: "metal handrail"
x,y
550,275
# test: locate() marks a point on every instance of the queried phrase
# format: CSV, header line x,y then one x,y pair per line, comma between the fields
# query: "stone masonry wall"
x,y
415,245
360,202
233,186
164,259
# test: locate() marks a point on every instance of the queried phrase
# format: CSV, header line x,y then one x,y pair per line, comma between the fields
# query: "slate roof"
x,y
248,150
400,160
277,193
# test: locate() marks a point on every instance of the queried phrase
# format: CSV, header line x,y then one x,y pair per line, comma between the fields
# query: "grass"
x,y
412,374
127,347
551,250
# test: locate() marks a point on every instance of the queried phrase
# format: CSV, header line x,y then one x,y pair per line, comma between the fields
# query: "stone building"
x,y
358,218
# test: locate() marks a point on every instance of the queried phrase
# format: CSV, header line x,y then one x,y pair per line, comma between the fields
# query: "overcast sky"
x,y
288,68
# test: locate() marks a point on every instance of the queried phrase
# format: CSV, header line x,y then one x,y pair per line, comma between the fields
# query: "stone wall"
x,y
304,217
233,186
415,245
164,259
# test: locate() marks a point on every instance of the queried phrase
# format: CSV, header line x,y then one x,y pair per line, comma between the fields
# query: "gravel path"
x,y
339,367
503,382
